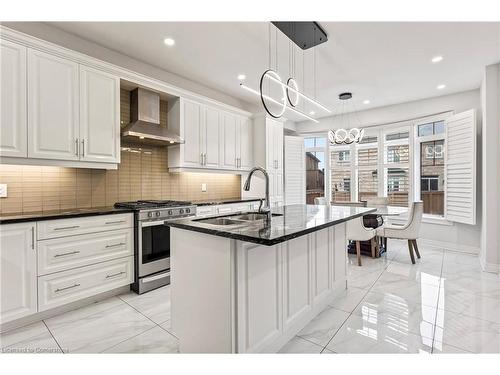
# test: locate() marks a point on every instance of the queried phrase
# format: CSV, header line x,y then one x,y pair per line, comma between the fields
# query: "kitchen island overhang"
x,y
252,288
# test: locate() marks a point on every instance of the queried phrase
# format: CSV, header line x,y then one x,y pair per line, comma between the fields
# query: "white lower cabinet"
x,y
18,294
64,253
68,286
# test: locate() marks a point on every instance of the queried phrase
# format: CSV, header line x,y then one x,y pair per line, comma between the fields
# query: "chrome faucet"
x,y
267,208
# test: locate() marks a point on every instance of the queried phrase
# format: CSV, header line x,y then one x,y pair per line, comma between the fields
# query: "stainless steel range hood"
x,y
145,125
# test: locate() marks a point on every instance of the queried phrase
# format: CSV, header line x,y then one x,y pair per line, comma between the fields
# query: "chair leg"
x,y
385,243
373,245
358,252
414,242
410,249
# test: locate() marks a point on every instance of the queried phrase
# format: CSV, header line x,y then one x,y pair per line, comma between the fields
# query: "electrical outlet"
x,y
203,187
3,190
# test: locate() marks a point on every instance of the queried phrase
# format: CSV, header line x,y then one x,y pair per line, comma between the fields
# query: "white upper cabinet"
x,y
53,107
211,138
99,116
246,144
18,284
229,123
191,149
13,135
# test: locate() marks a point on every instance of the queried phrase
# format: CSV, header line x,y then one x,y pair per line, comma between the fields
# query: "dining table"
x,y
374,220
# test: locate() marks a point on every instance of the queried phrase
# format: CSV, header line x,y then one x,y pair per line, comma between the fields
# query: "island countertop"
x,y
291,221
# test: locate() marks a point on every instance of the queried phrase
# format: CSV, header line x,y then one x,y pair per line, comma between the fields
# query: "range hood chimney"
x,y
145,125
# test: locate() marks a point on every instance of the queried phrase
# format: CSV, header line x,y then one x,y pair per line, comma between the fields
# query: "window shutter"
x,y
295,171
460,168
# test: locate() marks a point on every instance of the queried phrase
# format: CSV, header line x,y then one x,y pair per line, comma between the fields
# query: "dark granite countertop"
x,y
294,221
60,214
223,201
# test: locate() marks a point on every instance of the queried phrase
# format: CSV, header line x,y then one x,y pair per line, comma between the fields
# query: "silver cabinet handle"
x,y
204,159
68,287
76,147
64,228
201,158
115,245
115,222
83,148
115,274
33,238
64,254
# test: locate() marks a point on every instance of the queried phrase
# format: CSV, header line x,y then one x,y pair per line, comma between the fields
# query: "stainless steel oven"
x,y
152,240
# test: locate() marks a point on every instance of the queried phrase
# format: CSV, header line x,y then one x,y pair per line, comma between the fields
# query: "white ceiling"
x,y
386,63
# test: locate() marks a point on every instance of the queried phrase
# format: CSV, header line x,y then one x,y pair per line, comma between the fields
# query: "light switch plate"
x,y
203,187
3,190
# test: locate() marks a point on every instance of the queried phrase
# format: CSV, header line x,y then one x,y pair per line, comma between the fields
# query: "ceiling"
x,y
386,63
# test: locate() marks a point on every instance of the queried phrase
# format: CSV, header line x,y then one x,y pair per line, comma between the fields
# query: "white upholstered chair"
x,y
320,201
357,232
377,202
409,231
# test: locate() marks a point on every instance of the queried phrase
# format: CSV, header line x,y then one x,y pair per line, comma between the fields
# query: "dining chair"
x,y
320,201
408,231
352,204
357,232
377,202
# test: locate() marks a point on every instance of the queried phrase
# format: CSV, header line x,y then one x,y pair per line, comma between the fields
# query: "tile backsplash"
x,y
140,175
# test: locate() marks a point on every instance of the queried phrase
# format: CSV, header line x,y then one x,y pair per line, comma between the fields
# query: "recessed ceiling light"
x,y
241,77
312,113
366,101
437,59
169,42
440,87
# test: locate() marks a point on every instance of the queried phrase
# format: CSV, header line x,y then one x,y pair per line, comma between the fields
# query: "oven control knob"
x,y
158,213
181,211
170,212
188,210
150,214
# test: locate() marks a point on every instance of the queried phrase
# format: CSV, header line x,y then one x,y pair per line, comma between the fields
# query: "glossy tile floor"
x,y
443,304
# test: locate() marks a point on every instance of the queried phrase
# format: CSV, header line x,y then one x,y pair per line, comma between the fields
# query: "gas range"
x,y
152,239
160,209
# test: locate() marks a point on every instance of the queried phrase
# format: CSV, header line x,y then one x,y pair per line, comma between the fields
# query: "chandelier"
x,y
351,134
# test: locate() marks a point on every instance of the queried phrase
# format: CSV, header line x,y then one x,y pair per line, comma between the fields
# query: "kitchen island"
x,y
241,283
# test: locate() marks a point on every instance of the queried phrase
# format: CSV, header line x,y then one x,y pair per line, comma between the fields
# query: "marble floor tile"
x,y
360,336
467,333
362,279
441,348
462,302
397,313
368,263
322,328
348,299
155,304
34,338
481,284
299,345
93,328
155,340
409,290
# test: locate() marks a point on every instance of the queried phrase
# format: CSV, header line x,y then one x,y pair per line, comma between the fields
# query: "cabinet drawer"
x,y
205,211
68,286
82,225
61,254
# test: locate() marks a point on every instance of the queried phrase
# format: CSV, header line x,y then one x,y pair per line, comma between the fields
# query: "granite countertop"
x,y
293,221
60,214
224,201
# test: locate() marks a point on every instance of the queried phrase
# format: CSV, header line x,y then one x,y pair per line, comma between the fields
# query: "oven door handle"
x,y
155,223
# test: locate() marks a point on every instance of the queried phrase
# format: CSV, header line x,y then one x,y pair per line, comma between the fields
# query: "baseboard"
x,y
489,267
450,246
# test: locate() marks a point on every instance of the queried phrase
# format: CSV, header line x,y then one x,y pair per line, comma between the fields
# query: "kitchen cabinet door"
x,y
99,116
246,144
270,144
13,120
211,138
278,145
53,107
192,134
18,286
229,123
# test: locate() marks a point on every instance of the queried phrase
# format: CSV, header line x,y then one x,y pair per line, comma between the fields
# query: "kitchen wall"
x,y
139,176
455,236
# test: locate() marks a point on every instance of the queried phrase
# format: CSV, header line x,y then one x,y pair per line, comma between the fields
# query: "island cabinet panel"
x,y
322,262
259,294
297,278
339,274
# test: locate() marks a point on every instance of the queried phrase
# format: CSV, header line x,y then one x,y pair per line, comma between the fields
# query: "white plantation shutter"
x,y
295,171
460,168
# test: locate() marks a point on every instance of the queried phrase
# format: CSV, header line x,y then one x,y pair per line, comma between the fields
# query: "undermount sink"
x,y
221,221
253,216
